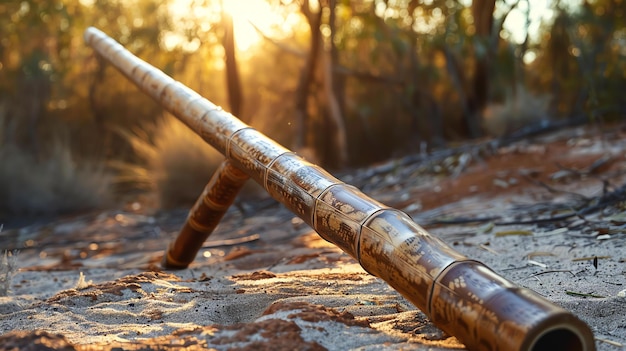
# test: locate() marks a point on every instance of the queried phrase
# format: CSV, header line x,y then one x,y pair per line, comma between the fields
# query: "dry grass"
x,y
8,267
178,163
49,182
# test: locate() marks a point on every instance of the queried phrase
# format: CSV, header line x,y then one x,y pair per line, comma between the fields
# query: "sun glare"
x,y
249,17
538,12
248,14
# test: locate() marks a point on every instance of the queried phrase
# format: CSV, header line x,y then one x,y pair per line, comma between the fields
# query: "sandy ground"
x,y
93,282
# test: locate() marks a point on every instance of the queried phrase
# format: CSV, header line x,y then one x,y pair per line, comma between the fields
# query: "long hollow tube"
x,y
461,296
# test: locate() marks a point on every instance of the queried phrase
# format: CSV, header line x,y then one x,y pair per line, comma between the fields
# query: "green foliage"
x,y
404,70
57,88
582,62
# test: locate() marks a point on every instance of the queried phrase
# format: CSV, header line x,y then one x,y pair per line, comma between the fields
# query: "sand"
x,y
93,282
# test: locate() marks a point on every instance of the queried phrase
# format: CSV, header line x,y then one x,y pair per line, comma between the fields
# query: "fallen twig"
x,y
553,271
231,242
574,293
610,342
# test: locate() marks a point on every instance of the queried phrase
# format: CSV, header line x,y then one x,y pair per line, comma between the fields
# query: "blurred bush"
x,y
50,182
519,109
176,163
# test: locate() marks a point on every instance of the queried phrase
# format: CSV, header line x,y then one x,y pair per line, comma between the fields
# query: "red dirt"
x,y
521,164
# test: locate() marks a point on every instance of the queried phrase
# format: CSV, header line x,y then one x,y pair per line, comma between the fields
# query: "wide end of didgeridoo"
x,y
565,335
488,312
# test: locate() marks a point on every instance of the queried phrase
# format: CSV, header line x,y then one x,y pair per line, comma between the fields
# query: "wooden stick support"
x,y
205,215
461,296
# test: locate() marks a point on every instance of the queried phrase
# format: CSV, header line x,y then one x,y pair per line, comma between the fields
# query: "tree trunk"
x,y
334,112
426,118
306,77
235,96
334,91
482,10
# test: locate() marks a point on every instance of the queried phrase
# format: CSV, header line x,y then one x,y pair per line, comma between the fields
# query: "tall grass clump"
x,y
177,163
8,267
52,184
49,181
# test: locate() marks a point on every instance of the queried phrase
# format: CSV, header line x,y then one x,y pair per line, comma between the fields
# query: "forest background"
x,y
345,83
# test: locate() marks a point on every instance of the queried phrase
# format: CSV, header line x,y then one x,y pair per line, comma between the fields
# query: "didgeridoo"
x,y
461,296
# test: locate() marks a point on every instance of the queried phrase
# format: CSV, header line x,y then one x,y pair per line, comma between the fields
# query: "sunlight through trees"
x,y
350,81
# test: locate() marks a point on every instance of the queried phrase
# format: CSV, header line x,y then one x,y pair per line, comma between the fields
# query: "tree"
x,y
321,59
482,11
233,82
307,75
333,89
581,61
